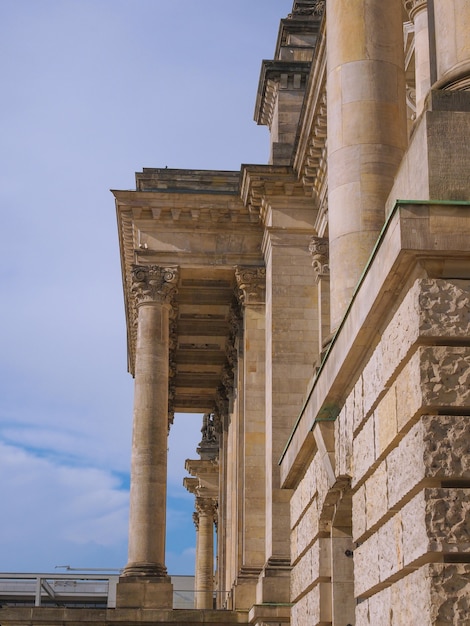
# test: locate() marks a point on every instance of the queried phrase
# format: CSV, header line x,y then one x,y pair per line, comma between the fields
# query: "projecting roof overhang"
x,y
195,220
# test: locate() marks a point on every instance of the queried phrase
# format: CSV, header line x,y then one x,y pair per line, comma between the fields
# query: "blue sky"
x,y
94,90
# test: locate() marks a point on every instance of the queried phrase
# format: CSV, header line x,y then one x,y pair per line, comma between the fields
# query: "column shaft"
x,y
452,23
147,521
205,557
367,132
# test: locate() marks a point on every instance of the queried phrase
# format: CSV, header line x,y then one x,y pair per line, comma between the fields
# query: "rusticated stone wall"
x,y
310,550
402,440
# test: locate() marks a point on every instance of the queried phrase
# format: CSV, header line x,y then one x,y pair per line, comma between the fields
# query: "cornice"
x,y
310,149
172,207
259,182
277,75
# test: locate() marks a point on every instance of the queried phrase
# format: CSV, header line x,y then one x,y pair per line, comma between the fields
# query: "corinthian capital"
x,y
319,249
414,6
251,281
206,506
153,283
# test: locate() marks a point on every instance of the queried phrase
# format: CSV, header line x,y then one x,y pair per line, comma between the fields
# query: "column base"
x,y
274,582
269,615
140,592
244,589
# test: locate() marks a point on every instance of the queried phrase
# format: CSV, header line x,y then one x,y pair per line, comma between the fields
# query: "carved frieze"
x,y
319,249
252,284
153,283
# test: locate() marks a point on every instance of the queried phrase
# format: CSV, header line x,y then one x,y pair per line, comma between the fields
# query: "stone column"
x,y
367,132
153,288
196,581
418,12
205,508
452,24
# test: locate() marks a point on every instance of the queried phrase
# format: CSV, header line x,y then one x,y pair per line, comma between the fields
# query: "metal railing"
x,y
88,590
59,589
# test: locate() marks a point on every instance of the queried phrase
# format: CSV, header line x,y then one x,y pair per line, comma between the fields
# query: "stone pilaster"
x,y
153,288
291,345
251,281
367,132
319,249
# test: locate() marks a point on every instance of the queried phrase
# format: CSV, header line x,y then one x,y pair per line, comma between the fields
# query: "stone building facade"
x,y
316,310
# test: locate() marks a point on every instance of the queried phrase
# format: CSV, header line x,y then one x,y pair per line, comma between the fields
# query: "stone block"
x,y
408,392
390,543
366,565
450,593
301,576
321,558
405,466
448,519
344,438
358,415
359,517
296,508
436,520
362,613
307,530
380,608
372,379
363,451
444,308
294,544
445,376
386,426
144,593
415,538
401,333
446,445
411,599
376,495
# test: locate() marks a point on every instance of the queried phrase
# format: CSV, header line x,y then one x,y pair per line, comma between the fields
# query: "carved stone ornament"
x,y
309,7
205,506
153,283
252,284
208,430
319,249
414,6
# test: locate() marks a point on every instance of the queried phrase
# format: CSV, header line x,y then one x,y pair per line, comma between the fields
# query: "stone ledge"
x,y
42,616
278,613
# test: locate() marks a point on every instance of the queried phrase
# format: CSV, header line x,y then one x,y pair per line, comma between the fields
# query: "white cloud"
x,y
60,507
